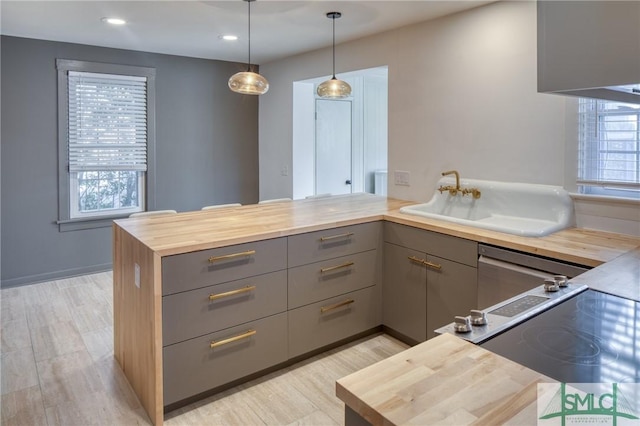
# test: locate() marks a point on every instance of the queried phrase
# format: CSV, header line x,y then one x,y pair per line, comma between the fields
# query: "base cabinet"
x,y
451,290
428,279
233,311
404,292
206,362
320,324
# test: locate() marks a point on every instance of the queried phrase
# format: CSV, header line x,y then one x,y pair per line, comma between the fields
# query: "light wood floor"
x,y
57,368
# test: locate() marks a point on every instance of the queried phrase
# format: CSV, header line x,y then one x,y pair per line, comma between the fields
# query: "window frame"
x,y
63,66
595,187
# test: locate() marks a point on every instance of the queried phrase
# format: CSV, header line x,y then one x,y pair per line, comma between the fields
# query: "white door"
x,y
333,147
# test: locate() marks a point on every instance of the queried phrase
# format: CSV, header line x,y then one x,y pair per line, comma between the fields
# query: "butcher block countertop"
x,y
200,230
445,380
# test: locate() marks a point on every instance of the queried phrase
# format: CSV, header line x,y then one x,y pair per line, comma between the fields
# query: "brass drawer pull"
x,y
432,265
231,256
417,260
333,268
246,289
425,263
336,306
333,237
216,343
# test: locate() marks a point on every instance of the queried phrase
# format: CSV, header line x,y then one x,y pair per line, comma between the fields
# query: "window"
x,y
105,139
609,148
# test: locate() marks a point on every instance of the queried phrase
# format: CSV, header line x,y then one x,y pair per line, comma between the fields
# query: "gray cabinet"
x,y
197,365
233,311
404,292
224,315
326,322
331,243
333,285
428,279
451,290
203,268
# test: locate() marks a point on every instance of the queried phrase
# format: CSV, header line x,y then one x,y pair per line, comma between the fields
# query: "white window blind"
x,y
107,122
609,145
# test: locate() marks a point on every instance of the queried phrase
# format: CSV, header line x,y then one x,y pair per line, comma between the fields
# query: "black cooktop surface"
x,y
591,338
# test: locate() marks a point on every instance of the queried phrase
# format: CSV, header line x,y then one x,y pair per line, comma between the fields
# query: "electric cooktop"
x,y
590,338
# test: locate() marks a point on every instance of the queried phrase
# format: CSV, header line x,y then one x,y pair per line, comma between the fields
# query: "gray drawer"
x,y
198,269
322,280
192,313
335,242
453,248
192,367
310,329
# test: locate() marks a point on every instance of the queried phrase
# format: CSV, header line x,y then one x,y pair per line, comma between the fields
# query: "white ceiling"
x,y
192,28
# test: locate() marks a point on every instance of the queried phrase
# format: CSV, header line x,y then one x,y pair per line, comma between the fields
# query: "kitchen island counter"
x,y
142,245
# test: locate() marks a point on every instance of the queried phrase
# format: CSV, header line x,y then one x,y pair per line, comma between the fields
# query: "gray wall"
x,y
206,151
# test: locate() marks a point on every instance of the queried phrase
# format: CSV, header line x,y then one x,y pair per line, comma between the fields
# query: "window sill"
x,y
67,225
603,199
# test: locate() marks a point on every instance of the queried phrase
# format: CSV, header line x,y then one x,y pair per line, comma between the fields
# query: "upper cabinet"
x,y
586,47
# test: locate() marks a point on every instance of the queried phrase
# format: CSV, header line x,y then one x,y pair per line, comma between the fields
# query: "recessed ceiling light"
x,y
114,21
229,37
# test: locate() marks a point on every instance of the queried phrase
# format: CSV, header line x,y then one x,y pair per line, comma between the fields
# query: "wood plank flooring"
x,y
57,368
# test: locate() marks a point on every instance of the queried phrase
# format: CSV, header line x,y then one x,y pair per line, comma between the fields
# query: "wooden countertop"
x,y
445,380
199,230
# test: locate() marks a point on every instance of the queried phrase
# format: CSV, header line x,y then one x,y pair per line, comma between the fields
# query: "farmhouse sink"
x,y
528,210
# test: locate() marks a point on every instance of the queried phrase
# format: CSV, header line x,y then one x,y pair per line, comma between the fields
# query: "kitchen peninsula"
x,y
160,260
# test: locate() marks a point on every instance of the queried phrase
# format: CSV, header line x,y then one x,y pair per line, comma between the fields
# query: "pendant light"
x,y
248,82
334,88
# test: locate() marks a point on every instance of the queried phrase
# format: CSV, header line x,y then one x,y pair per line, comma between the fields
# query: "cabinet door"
x,y
452,290
404,292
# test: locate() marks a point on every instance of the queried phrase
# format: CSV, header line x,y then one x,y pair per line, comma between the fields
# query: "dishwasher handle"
x,y
499,280
514,268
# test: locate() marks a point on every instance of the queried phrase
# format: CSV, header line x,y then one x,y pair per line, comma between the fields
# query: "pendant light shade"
x,y
248,82
334,88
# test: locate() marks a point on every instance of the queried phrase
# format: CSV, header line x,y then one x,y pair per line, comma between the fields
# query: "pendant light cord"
x,y
249,35
333,18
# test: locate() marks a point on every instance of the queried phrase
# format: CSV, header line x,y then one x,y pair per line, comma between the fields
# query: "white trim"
x,y
604,199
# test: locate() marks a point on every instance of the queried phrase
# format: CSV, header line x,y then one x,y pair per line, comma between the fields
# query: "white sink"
x,y
523,209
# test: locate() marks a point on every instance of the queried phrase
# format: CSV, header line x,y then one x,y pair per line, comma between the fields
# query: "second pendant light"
x,y
334,88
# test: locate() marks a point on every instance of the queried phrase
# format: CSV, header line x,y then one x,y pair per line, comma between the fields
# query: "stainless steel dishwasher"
x,y
504,273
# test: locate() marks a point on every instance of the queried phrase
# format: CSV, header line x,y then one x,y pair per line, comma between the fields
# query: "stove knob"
x,y
561,280
462,324
478,317
550,285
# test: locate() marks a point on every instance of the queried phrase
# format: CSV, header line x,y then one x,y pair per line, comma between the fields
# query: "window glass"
x,y
107,143
609,148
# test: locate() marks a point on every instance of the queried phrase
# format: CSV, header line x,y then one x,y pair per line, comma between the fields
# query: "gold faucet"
x,y
475,192
453,190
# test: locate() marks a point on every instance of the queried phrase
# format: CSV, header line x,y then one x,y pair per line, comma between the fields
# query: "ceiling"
x,y
193,28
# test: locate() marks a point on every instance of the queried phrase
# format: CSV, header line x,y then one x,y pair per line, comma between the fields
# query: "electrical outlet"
x,y
136,278
401,178
284,171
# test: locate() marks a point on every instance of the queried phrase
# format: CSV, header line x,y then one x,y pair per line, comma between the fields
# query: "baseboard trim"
x,y
56,275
